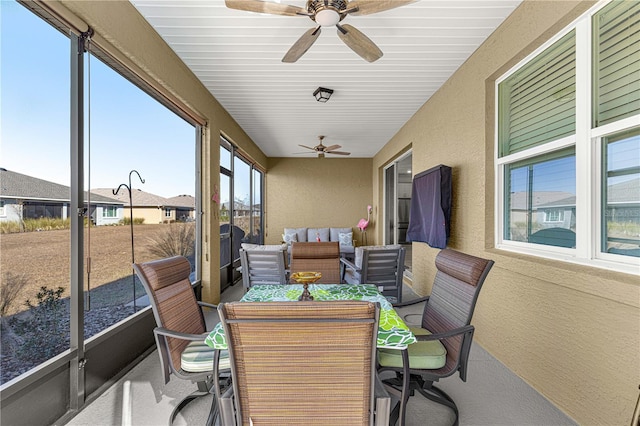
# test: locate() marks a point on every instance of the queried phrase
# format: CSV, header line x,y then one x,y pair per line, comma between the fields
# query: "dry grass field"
x,y
42,258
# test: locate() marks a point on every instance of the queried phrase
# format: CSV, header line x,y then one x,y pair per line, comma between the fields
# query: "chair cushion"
x,y
428,355
197,357
301,232
334,233
313,233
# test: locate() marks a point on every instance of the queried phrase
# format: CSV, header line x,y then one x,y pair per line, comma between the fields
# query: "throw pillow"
x,y
290,238
346,239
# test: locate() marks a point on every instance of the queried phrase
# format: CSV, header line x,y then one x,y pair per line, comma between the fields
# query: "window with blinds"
x,y
616,51
537,102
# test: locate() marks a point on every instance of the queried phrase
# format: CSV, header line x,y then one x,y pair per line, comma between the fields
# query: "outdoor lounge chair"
x,y
181,328
444,336
303,363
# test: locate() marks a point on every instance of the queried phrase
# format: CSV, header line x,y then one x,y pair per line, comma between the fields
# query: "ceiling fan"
x,y
322,150
325,13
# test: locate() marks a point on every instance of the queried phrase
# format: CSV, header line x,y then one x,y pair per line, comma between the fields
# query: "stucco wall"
x,y
572,332
316,192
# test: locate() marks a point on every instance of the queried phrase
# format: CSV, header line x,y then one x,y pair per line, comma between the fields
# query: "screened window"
x,y
565,161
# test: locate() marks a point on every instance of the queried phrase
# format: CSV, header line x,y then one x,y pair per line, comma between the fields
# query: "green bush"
x,y
44,329
127,221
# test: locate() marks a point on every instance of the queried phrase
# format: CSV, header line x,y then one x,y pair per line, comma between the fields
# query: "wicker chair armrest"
x,y
450,333
184,336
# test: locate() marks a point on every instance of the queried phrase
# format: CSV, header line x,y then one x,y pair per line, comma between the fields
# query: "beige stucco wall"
x,y
316,192
572,332
122,30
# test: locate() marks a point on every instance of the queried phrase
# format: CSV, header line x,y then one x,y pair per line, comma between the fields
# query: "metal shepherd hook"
x,y
133,256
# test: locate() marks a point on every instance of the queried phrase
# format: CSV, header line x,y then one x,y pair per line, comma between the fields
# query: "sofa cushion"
x,y
301,232
334,233
312,234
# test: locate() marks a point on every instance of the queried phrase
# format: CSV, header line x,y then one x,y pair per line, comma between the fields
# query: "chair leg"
x,y
441,397
203,389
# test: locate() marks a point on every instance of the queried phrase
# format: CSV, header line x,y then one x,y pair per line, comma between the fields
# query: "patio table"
x,y
393,333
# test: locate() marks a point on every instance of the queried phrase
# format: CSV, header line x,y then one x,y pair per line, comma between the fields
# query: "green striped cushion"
x,y
429,355
197,357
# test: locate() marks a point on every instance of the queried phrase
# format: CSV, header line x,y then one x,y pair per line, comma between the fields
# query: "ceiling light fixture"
x,y
322,94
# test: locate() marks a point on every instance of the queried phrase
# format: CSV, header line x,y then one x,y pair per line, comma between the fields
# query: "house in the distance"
x,y
153,208
27,197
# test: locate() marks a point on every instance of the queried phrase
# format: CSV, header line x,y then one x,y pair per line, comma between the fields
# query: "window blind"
x,y
616,44
537,102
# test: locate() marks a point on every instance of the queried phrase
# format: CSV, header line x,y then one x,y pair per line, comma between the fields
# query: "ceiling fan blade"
x,y
302,45
266,7
332,147
338,152
366,7
308,147
359,43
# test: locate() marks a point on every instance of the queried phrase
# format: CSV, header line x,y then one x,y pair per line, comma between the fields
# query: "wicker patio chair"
x,y
181,328
303,363
444,336
323,257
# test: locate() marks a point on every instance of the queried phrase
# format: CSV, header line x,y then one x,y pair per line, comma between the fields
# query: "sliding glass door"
x,y
397,202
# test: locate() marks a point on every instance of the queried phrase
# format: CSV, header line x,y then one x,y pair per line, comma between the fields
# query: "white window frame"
x,y
107,209
2,209
588,150
167,212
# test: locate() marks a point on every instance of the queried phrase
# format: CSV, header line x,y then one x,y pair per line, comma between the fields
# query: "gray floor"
x,y
492,395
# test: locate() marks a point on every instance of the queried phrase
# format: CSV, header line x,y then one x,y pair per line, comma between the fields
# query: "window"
x,y
2,213
565,162
109,211
167,212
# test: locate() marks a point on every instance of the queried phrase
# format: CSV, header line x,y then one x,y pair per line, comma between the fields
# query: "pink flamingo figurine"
x,y
362,225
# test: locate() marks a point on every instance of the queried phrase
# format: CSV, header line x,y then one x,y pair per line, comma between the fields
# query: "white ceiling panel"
x,y
237,56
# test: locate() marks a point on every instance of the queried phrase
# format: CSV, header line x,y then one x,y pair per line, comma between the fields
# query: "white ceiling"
x,y
237,56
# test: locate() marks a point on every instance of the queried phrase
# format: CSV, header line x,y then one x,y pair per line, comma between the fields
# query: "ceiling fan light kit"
x,y
325,13
322,94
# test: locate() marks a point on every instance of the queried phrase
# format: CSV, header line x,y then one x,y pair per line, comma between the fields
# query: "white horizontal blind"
x,y
616,34
537,102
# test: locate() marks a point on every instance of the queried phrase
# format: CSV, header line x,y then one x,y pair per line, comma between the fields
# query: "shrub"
x,y
9,289
44,329
136,221
175,240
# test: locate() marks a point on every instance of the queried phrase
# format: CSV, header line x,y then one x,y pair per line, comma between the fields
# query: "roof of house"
x,y
141,198
19,186
138,197
183,200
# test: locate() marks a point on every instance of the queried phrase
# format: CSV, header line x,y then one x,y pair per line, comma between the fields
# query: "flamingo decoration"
x,y
363,223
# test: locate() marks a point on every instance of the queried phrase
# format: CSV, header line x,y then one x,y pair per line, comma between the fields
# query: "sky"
x,y
128,130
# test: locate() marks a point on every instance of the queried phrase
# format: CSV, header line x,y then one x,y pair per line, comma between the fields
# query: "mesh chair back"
x,y
453,298
323,257
384,268
173,301
302,363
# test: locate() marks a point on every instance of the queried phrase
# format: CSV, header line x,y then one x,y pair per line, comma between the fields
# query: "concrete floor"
x,y
492,395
